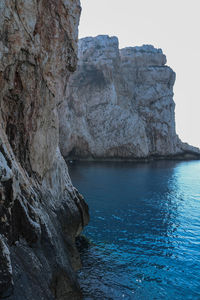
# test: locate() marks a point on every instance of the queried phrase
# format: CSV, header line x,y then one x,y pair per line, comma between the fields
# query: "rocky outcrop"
x,y
41,213
119,104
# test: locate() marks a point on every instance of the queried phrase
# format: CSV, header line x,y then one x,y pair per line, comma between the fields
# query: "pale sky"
x,y
173,26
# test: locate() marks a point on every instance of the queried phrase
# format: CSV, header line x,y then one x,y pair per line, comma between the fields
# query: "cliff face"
x,y
41,212
120,104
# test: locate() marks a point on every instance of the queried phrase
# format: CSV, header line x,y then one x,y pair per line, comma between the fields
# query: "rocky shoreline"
x,y
177,157
182,156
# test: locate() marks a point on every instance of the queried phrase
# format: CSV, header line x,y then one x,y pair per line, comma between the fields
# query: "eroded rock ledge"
x,y
41,212
119,105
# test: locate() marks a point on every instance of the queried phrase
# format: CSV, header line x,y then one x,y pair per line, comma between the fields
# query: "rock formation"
x,y
41,212
119,104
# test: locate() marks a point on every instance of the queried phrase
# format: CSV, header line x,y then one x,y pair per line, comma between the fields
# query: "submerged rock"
x,y
41,213
119,104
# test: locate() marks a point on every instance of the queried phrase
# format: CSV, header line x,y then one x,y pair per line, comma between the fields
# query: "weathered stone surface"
x,y
6,280
119,104
41,212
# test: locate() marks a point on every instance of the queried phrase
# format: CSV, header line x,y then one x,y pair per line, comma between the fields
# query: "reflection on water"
x,y
144,230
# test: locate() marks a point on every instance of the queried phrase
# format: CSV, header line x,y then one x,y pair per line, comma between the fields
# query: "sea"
x,y
143,239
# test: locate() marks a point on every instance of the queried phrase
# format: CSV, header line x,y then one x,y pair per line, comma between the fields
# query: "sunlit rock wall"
x,y
41,212
119,104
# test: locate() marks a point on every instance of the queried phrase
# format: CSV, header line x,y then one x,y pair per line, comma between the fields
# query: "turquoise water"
x,y
144,230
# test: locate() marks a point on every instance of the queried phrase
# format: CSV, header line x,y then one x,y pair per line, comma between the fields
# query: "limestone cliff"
x,y
41,212
119,104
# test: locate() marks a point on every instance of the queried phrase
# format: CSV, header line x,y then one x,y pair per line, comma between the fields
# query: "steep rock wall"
x,y
41,212
119,104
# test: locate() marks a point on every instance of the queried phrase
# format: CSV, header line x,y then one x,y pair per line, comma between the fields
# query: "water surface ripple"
x,y
144,230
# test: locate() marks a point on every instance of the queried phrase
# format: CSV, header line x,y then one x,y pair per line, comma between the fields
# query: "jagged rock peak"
x,y
143,49
143,55
119,104
103,41
102,48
